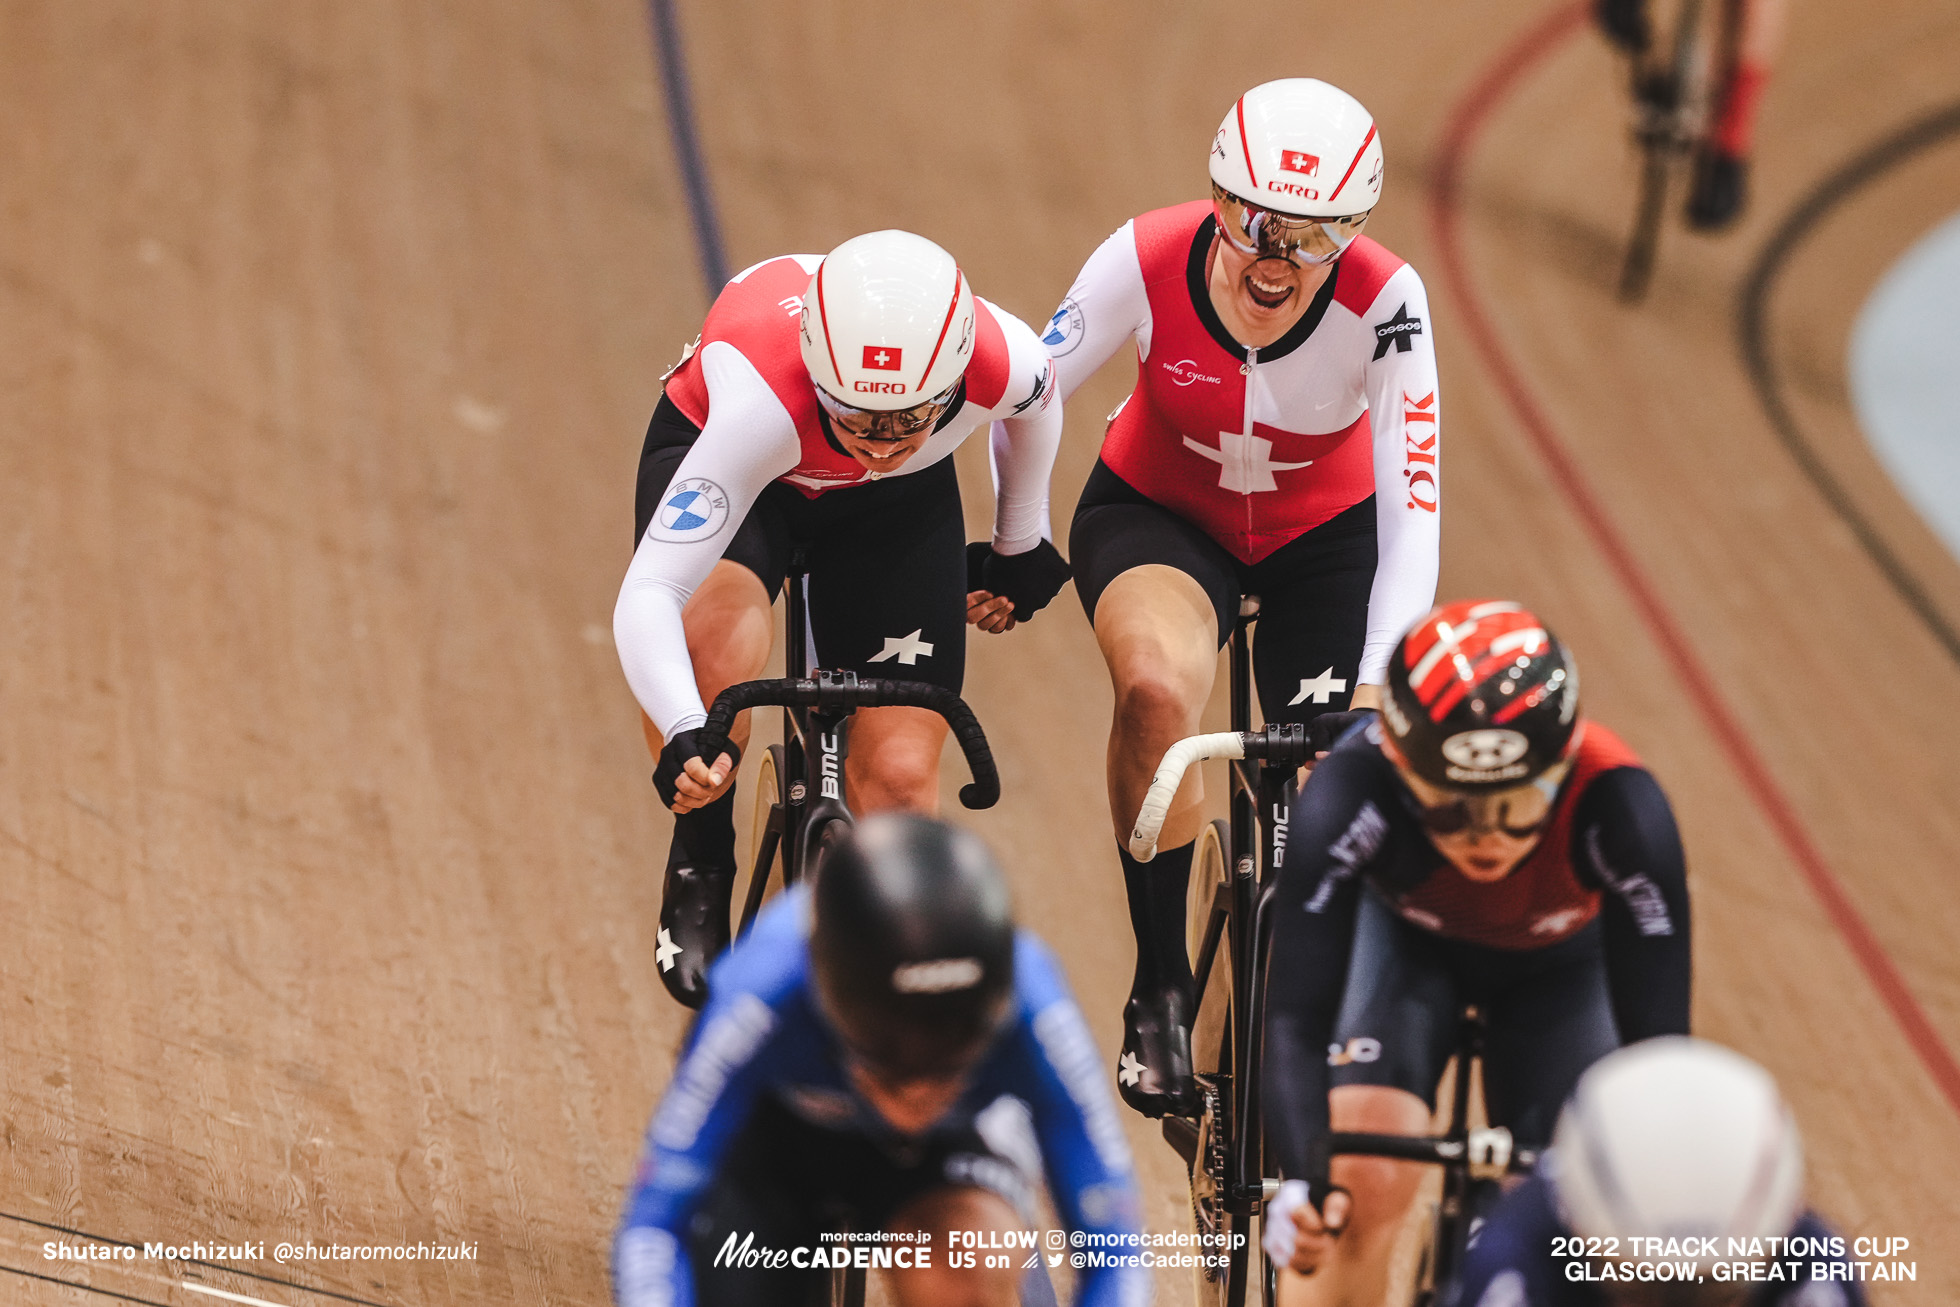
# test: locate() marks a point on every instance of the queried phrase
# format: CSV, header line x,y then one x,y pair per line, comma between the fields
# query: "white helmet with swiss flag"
x,y
1300,147
888,322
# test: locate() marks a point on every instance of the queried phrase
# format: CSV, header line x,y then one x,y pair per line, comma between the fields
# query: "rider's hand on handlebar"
x,y
686,779
1297,1235
1026,581
990,612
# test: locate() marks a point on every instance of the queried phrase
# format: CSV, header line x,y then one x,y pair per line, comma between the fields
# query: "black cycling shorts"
x,y
790,1182
1548,1011
887,560
1313,590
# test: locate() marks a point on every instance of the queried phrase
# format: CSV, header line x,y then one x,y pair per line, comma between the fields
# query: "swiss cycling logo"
x,y
694,509
1064,329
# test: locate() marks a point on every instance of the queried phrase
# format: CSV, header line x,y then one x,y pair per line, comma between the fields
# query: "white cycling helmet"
x,y
1301,147
888,322
1675,1137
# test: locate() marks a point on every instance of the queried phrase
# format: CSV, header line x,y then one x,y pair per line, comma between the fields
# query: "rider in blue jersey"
x,y
886,1055
1675,1179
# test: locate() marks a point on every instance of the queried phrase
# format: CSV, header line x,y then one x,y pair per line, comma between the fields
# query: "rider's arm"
x,y
1626,842
737,1044
1083,1147
1309,932
1404,415
749,440
1025,435
1106,306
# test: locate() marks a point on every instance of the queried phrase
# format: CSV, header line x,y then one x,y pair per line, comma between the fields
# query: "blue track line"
x,y
687,144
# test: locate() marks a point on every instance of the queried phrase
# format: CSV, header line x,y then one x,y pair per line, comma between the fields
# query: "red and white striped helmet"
x,y
1302,147
1480,696
888,321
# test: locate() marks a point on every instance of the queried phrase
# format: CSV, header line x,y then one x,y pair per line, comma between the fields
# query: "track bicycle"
x,y
1222,1148
799,805
1473,1161
800,810
1673,103
1230,866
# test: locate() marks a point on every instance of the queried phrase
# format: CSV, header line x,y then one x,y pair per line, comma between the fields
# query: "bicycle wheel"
x,y
765,837
1212,1058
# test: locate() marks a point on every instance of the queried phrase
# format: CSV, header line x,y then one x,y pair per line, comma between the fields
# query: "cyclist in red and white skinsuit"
x,y
820,410
1282,440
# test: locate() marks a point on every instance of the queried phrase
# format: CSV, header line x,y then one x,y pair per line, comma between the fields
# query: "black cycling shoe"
x,y
1721,185
693,928
1154,1072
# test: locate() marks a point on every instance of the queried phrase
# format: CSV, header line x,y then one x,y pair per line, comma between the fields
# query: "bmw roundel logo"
x,y
694,509
1064,329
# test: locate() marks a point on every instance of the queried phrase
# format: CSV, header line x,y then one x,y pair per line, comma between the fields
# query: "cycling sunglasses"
x,y
1266,234
887,425
1519,811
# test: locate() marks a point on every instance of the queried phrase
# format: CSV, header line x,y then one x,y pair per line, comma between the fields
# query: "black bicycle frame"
x,y
813,742
1261,799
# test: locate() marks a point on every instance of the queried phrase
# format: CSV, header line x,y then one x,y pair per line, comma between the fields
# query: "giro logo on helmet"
x,y
1293,188
879,387
1485,755
939,976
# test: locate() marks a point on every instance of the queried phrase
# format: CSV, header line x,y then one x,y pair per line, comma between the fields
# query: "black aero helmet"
x,y
912,945
1481,697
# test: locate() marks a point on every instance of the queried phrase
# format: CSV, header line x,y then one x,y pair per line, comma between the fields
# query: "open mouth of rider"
x,y
1269,291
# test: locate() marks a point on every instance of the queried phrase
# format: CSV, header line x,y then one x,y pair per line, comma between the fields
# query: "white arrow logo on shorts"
x,y
908,649
1320,687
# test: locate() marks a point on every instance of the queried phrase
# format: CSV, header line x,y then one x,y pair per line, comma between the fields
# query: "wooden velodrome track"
x,y
328,331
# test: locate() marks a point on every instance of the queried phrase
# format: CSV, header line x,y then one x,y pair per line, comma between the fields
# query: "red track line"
x,y
1496,82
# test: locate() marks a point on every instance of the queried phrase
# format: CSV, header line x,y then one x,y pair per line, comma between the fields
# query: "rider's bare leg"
x,y
1159,636
1383,1191
729,628
894,762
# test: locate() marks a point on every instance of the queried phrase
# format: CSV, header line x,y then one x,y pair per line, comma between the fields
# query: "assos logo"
x,y
694,509
1185,372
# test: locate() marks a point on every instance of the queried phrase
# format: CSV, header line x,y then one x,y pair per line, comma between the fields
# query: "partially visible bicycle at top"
x,y
1695,95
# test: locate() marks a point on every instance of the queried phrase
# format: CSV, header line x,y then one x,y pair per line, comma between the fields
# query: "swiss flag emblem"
x,y
1299,161
882,358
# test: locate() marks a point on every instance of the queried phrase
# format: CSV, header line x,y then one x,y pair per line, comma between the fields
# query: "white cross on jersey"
x,y
907,649
1245,461
1319,687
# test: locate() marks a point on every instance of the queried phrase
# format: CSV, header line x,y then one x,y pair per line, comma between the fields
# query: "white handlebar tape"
x,y
1170,775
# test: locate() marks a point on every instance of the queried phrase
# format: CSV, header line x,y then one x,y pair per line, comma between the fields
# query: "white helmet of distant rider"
x,y
888,328
1295,169
1676,1138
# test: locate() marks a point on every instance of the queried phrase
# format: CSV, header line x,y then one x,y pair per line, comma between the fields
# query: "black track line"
x,y
1752,338
687,144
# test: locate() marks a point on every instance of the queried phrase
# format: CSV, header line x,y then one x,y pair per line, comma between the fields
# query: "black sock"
x,y
1157,891
706,836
